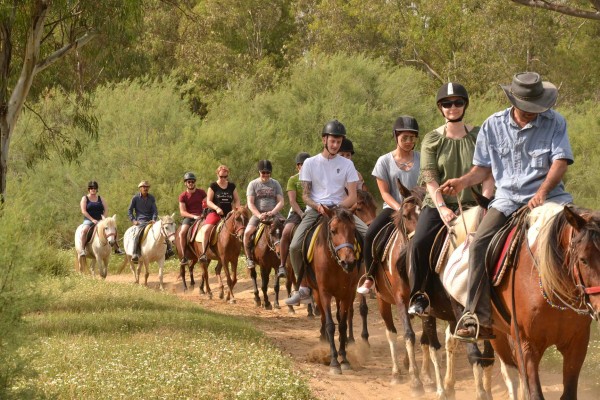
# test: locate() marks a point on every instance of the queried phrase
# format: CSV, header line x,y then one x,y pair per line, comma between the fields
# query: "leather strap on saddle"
x,y
193,231
145,233
502,252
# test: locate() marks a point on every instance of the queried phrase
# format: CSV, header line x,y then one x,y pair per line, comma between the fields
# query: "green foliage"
x,y
94,339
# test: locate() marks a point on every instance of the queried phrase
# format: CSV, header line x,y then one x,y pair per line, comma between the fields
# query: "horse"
x,y
549,297
229,238
335,274
98,248
266,254
153,248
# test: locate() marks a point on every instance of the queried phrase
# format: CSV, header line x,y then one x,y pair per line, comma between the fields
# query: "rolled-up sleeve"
x,y
561,147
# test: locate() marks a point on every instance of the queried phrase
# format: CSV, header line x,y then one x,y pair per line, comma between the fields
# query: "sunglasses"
x,y
408,139
457,103
223,176
92,188
265,172
190,181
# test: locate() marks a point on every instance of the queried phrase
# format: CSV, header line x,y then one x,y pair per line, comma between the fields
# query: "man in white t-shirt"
x,y
324,178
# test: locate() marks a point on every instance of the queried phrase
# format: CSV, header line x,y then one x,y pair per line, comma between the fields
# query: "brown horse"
x,y
226,251
266,254
335,274
547,299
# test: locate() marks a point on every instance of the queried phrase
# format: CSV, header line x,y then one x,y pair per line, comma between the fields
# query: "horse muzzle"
x,y
347,266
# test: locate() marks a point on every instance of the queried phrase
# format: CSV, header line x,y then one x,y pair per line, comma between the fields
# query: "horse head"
x,y
365,208
584,257
405,218
240,216
341,236
275,232
107,229
168,227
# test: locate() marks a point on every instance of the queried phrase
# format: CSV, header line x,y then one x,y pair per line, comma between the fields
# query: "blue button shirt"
x,y
520,158
142,209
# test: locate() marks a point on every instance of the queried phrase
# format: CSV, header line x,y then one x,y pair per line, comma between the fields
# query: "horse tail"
x,y
552,253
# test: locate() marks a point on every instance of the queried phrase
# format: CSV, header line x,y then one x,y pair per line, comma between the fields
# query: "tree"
x,y
36,34
564,8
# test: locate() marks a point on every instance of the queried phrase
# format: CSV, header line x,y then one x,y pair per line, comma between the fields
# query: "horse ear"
x,y
114,217
173,215
328,211
481,200
574,219
403,189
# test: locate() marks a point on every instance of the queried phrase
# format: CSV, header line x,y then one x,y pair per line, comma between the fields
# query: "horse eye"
x,y
584,261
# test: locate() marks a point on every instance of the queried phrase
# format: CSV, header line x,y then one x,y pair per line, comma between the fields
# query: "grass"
x,y
97,340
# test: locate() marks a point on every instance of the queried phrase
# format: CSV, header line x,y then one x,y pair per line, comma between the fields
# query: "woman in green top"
x,y
446,153
294,192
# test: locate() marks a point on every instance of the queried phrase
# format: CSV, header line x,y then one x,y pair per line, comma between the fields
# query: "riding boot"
x,y
84,233
249,249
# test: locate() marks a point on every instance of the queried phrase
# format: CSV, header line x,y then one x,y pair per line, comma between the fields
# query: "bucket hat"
x,y
527,92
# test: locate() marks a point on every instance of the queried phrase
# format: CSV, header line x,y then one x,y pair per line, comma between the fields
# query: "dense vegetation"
x,y
188,85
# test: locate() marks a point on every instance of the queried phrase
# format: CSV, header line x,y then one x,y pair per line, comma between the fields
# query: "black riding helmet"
x,y
405,123
301,157
453,89
334,128
347,146
92,185
189,176
265,165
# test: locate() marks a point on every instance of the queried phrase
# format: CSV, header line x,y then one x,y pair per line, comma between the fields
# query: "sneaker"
x,y
203,258
281,272
184,261
419,306
468,333
365,288
301,296
250,264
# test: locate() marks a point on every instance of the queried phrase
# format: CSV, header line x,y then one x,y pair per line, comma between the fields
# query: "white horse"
x,y
153,248
98,249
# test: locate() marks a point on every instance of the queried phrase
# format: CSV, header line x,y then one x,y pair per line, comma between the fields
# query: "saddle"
x,y
213,236
89,236
193,231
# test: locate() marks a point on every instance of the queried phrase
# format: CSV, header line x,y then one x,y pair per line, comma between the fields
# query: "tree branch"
x,y
563,9
58,54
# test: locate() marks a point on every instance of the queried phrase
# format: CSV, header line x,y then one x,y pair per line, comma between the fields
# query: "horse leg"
x,y
345,306
253,276
161,265
220,279
416,385
426,362
231,281
276,289
288,288
146,271
573,357
350,320
182,275
532,357
205,278
364,312
429,325
486,362
93,267
385,310
264,278
334,365
451,348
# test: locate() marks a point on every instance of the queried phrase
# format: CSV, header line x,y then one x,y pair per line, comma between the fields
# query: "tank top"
x,y
94,208
223,197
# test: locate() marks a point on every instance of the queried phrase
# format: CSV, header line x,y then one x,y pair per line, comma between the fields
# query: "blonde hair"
x,y
222,168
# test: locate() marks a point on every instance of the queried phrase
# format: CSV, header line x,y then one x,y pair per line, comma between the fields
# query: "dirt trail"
x,y
298,336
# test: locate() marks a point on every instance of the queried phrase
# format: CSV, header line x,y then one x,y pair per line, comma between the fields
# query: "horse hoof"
x,y
335,370
221,295
346,366
210,296
291,310
257,303
277,306
268,306
396,379
232,301
310,316
417,389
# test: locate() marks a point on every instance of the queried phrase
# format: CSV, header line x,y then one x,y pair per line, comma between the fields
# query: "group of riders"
x,y
518,157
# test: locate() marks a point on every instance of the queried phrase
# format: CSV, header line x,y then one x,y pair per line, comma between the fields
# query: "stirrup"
x,y
361,282
411,302
474,321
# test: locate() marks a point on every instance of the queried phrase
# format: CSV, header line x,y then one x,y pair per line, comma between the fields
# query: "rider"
x,y
297,206
265,200
93,208
526,149
221,198
401,164
446,153
324,179
142,210
190,208
347,151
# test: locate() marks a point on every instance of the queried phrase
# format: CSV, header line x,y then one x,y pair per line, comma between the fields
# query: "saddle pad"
x,y
258,233
90,235
312,239
539,217
193,231
389,244
501,264
146,230
382,241
455,274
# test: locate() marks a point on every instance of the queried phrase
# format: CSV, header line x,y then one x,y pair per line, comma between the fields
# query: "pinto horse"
x,y
336,275
98,248
547,299
151,250
226,252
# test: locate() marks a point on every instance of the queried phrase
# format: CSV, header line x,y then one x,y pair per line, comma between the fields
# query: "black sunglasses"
x,y
457,103
190,181
265,172
223,176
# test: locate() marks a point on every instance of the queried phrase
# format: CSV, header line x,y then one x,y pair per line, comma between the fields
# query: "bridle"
x,y
237,233
409,200
334,249
584,290
163,231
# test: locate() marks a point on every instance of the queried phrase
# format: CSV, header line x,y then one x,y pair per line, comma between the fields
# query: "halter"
x,y
585,291
406,201
105,236
163,231
235,233
334,249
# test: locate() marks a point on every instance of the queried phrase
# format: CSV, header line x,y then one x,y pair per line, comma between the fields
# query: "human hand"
x,y
219,211
446,214
537,200
135,222
452,187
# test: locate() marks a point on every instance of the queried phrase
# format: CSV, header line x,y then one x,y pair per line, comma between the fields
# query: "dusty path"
x,y
297,336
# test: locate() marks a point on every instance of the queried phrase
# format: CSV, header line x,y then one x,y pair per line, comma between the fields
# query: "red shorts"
x,y
212,218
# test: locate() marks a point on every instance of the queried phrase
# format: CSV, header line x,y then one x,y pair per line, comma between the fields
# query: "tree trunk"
x,y
4,139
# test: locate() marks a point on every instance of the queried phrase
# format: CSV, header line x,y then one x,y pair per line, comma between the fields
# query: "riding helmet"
x,y
452,89
93,185
301,157
189,176
265,165
334,128
405,123
347,146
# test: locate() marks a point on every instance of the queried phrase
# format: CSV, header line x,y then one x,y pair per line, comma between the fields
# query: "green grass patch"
x,y
98,340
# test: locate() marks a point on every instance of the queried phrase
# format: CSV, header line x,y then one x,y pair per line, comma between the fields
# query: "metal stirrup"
x,y
467,315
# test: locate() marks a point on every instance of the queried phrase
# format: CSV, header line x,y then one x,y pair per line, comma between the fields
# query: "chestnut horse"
x,y
549,297
336,275
226,252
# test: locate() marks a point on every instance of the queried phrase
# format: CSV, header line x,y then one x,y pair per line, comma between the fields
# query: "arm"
x,y
350,200
209,202
105,212
488,187
446,214
184,213
555,175
306,191
130,211
293,203
154,210
236,199
252,206
82,205
475,176
384,190
278,206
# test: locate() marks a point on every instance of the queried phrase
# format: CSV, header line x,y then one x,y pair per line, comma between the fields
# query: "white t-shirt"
x,y
328,178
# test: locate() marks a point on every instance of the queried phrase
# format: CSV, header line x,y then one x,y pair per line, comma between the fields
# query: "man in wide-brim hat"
x,y
142,210
526,149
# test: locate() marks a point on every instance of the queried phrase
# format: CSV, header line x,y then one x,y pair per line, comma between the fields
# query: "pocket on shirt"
x,y
503,153
540,158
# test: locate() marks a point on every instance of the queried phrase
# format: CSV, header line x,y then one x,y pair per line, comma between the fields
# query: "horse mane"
x,y
167,219
552,250
365,197
242,210
417,192
341,213
104,222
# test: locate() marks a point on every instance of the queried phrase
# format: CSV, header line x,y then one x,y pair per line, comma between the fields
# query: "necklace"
x,y
406,164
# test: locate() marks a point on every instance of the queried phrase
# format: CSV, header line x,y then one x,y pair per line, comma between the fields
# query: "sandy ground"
x,y
298,336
